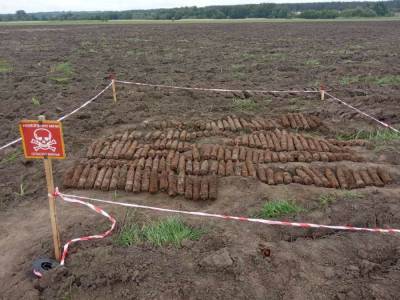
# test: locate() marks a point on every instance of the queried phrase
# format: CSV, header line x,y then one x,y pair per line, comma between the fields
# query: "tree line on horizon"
x,y
318,10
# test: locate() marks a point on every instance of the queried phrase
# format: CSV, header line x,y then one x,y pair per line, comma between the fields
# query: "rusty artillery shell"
x,y
282,157
131,150
204,188
330,175
250,168
91,148
255,156
366,178
292,121
98,148
122,177
263,140
181,184
237,123
341,175
290,143
196,187
304,121
175,161
111,150
156,162
83,176
212,187
213,167
130,176
276,141
284,141
137,181
231,123
205,151
237,168
104,150
145,180
245,140
221,168
317,181
214,151
242,153
324,146
375,177
267,156
321,176
287,178
357,177
105,185
89,183
261,156
324,156
297,143
114,179
278,177
229,168
195,153
221,153
269,173
196,167
303,142
249,155
77,174
189,167
304,176
163,178
172,184
162,165
384,175
148,163
298,120
188,187
252,142
311,122
285,121
308,156
297,179
226,125
261,174
275,157
234,154
69,174
270,143
204,167
182,164
220,125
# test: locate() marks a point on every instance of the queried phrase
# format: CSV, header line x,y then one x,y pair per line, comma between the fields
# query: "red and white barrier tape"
x,y
63,117
211,89
363,113
225,217
85,238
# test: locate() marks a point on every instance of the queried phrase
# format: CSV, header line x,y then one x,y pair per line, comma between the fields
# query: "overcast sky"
x,y
10,6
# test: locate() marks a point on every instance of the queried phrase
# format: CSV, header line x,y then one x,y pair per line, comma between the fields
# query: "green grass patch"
x,y
10,158
62,73
327,198
351,195
35,101
244,104
277,208
5,66
312,62
378,136
170,231
375,80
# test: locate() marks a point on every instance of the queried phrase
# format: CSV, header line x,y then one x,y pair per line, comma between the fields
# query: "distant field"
x,y
193,21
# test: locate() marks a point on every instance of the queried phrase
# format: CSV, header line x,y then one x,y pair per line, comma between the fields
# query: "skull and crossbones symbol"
x,y
43,140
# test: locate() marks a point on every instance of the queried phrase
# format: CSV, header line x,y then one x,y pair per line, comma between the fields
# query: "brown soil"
x,y
232,260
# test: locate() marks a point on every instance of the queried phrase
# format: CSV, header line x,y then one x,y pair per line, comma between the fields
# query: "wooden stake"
x,y
322,91
48,168
114,90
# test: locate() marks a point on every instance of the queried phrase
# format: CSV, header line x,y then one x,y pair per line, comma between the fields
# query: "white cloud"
x,y
7,6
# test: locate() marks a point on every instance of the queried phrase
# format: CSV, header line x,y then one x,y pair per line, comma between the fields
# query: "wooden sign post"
x,y
322,91
44,140
114,88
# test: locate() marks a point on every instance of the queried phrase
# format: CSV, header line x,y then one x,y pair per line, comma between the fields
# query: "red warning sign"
x,y
41,139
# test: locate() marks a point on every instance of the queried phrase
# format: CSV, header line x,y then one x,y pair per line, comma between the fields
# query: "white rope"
x,y
211,89
64,117
227,217
363,113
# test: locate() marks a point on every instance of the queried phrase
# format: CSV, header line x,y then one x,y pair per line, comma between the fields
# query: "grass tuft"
x,y
378,136
244,104
277,208
5,67
35,101
327,198
375,80
165,232
351,195
62,73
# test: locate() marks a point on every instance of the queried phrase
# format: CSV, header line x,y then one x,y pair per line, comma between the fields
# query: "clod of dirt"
x,y
219,259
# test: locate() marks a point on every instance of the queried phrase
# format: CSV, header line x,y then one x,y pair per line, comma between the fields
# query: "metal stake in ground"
x,y
322,91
